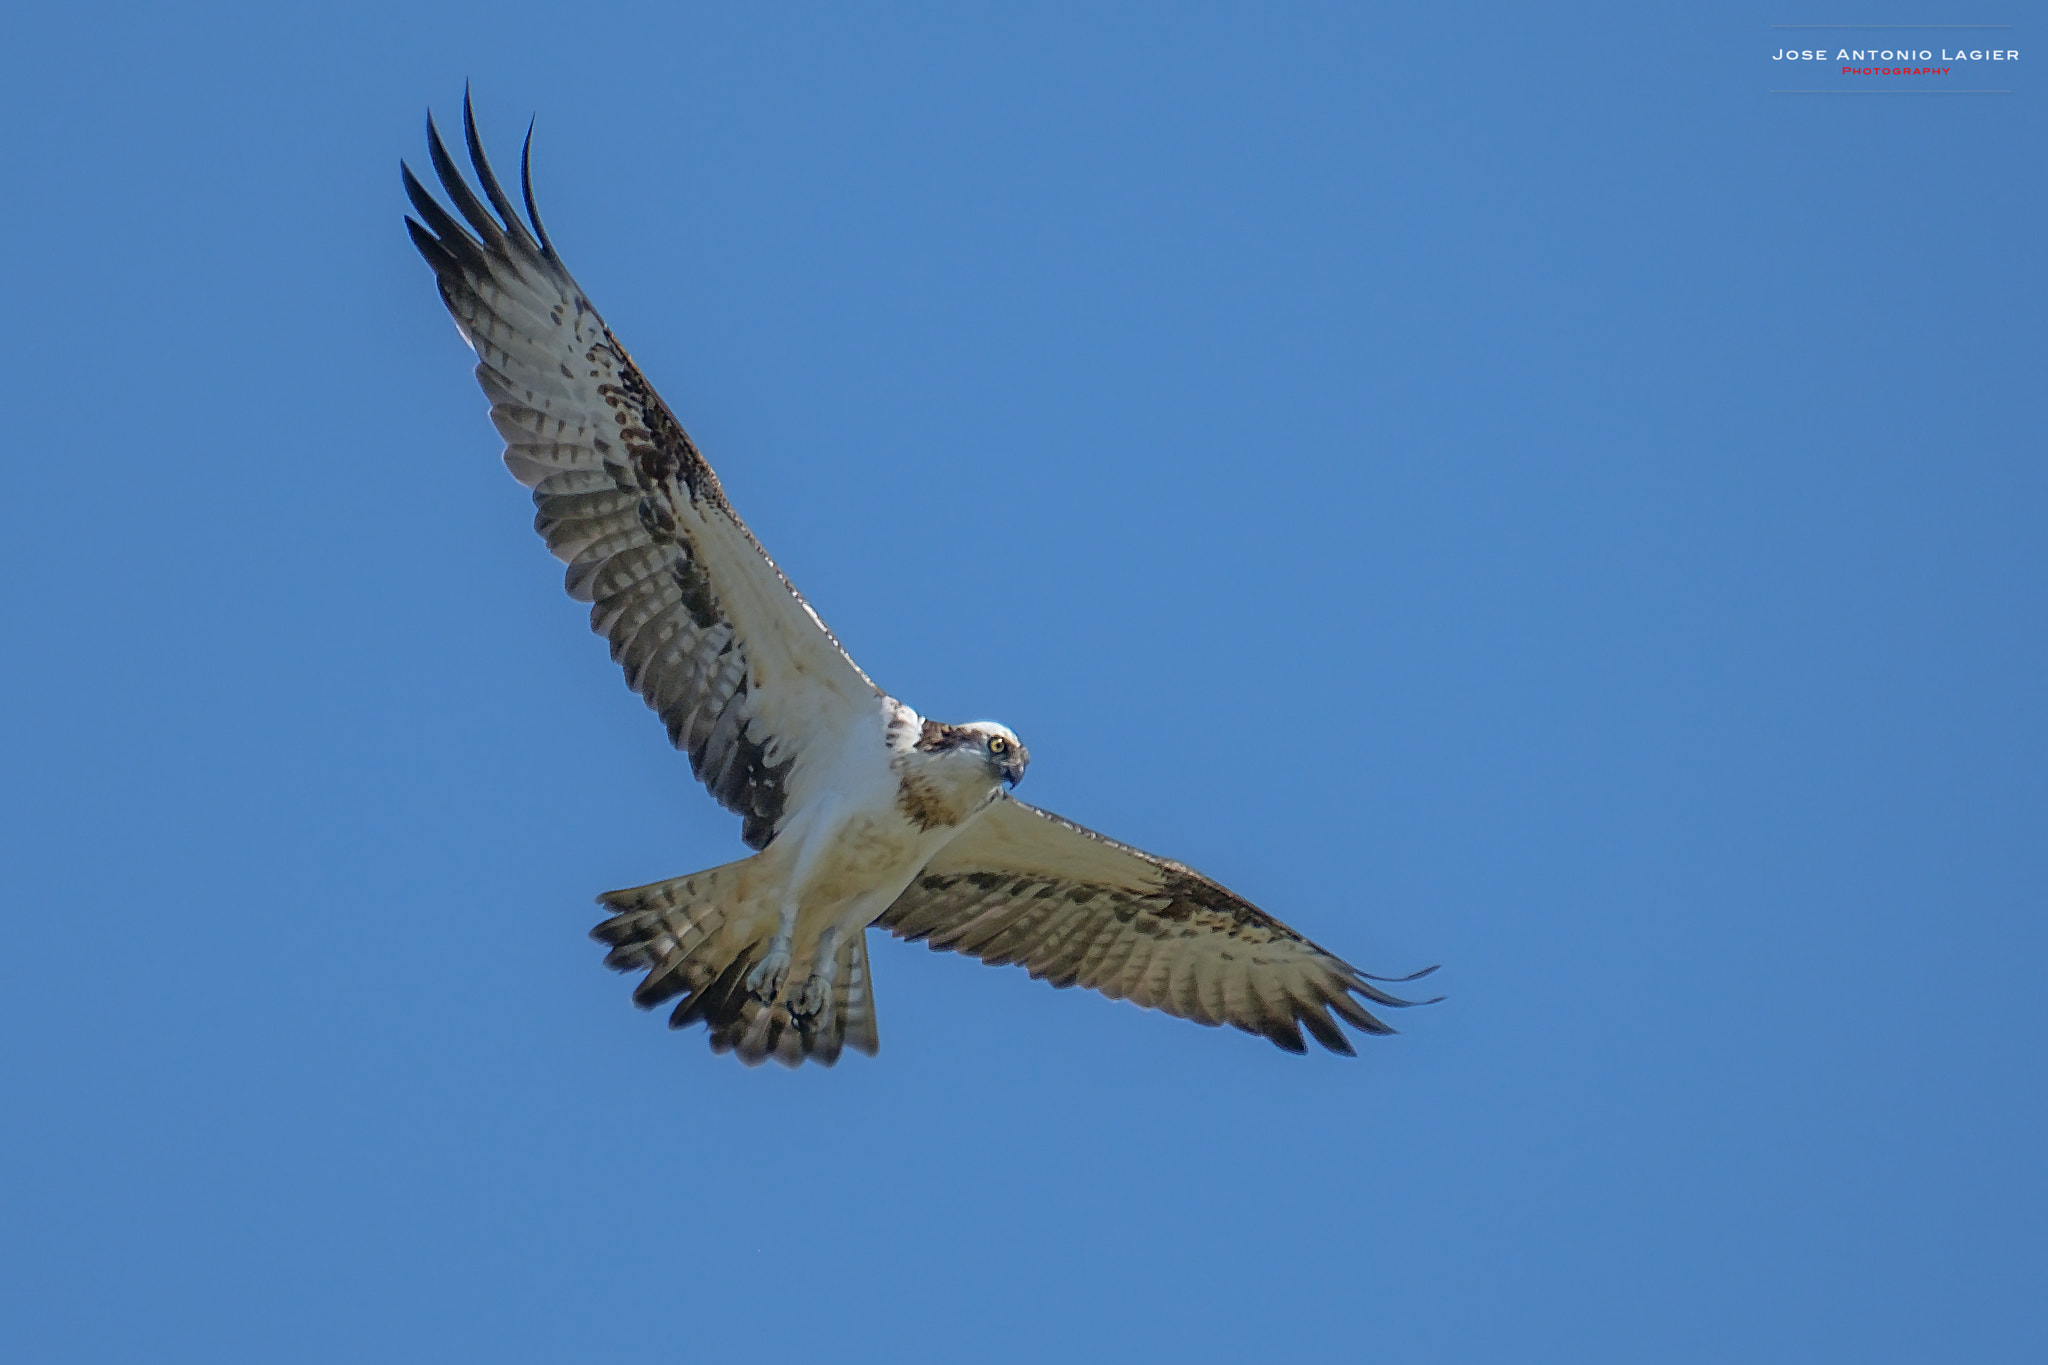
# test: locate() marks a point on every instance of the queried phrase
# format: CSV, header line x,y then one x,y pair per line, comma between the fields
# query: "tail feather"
x,y
851,1016
760,1030
719,1000
681,933
853,1003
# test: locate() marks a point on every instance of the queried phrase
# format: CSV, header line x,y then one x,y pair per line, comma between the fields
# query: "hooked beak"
x,y
1014,764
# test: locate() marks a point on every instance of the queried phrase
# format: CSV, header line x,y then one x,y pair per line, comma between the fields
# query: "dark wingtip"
x,y
494,191
1324,1030
1283,1034
415,191
430,247
1361,982
1397,980
447,235
464,198
526,189
1385,1001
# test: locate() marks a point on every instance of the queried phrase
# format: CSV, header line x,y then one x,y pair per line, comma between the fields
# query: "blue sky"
x,y
1498,490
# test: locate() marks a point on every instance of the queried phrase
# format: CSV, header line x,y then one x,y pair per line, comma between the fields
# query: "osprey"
x,y
859,810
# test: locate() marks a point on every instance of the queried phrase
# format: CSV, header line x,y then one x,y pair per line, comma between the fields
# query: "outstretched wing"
x,y
709,632
1023,885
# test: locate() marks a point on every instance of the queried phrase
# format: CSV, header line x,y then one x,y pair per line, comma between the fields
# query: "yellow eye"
x,y
997,744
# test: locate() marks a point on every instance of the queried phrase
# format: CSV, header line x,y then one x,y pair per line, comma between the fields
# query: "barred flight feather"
x,y
751,686
681,590
1024,886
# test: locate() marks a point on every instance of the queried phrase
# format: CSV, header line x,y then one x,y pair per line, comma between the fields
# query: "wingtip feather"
x,y
526,188
457,187
430,247
493,190
1399,980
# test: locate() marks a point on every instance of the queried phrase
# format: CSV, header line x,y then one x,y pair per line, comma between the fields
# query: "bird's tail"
x,y
684,933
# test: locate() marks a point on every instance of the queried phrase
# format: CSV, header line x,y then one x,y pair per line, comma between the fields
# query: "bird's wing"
x,y
709,632
1023,885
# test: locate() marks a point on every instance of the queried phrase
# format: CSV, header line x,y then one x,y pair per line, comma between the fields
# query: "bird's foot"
x,y
813,998
765,981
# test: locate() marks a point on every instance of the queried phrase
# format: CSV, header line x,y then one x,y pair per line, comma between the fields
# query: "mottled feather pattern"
x,y
772,714
676,932
1074,908
758,1031
625,500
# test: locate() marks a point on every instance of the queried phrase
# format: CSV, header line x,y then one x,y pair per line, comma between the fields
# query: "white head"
x,y
993,745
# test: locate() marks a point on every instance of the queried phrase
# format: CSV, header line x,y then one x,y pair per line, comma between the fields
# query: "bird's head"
x,y
993,745
1007,756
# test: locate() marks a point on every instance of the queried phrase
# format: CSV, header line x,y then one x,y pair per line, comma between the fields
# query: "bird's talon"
x,y
765,981
814,999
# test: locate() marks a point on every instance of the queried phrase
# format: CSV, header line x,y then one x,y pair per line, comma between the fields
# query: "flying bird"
x,y
860,811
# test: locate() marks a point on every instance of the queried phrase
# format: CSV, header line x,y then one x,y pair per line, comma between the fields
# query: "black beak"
x,y
1014,764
